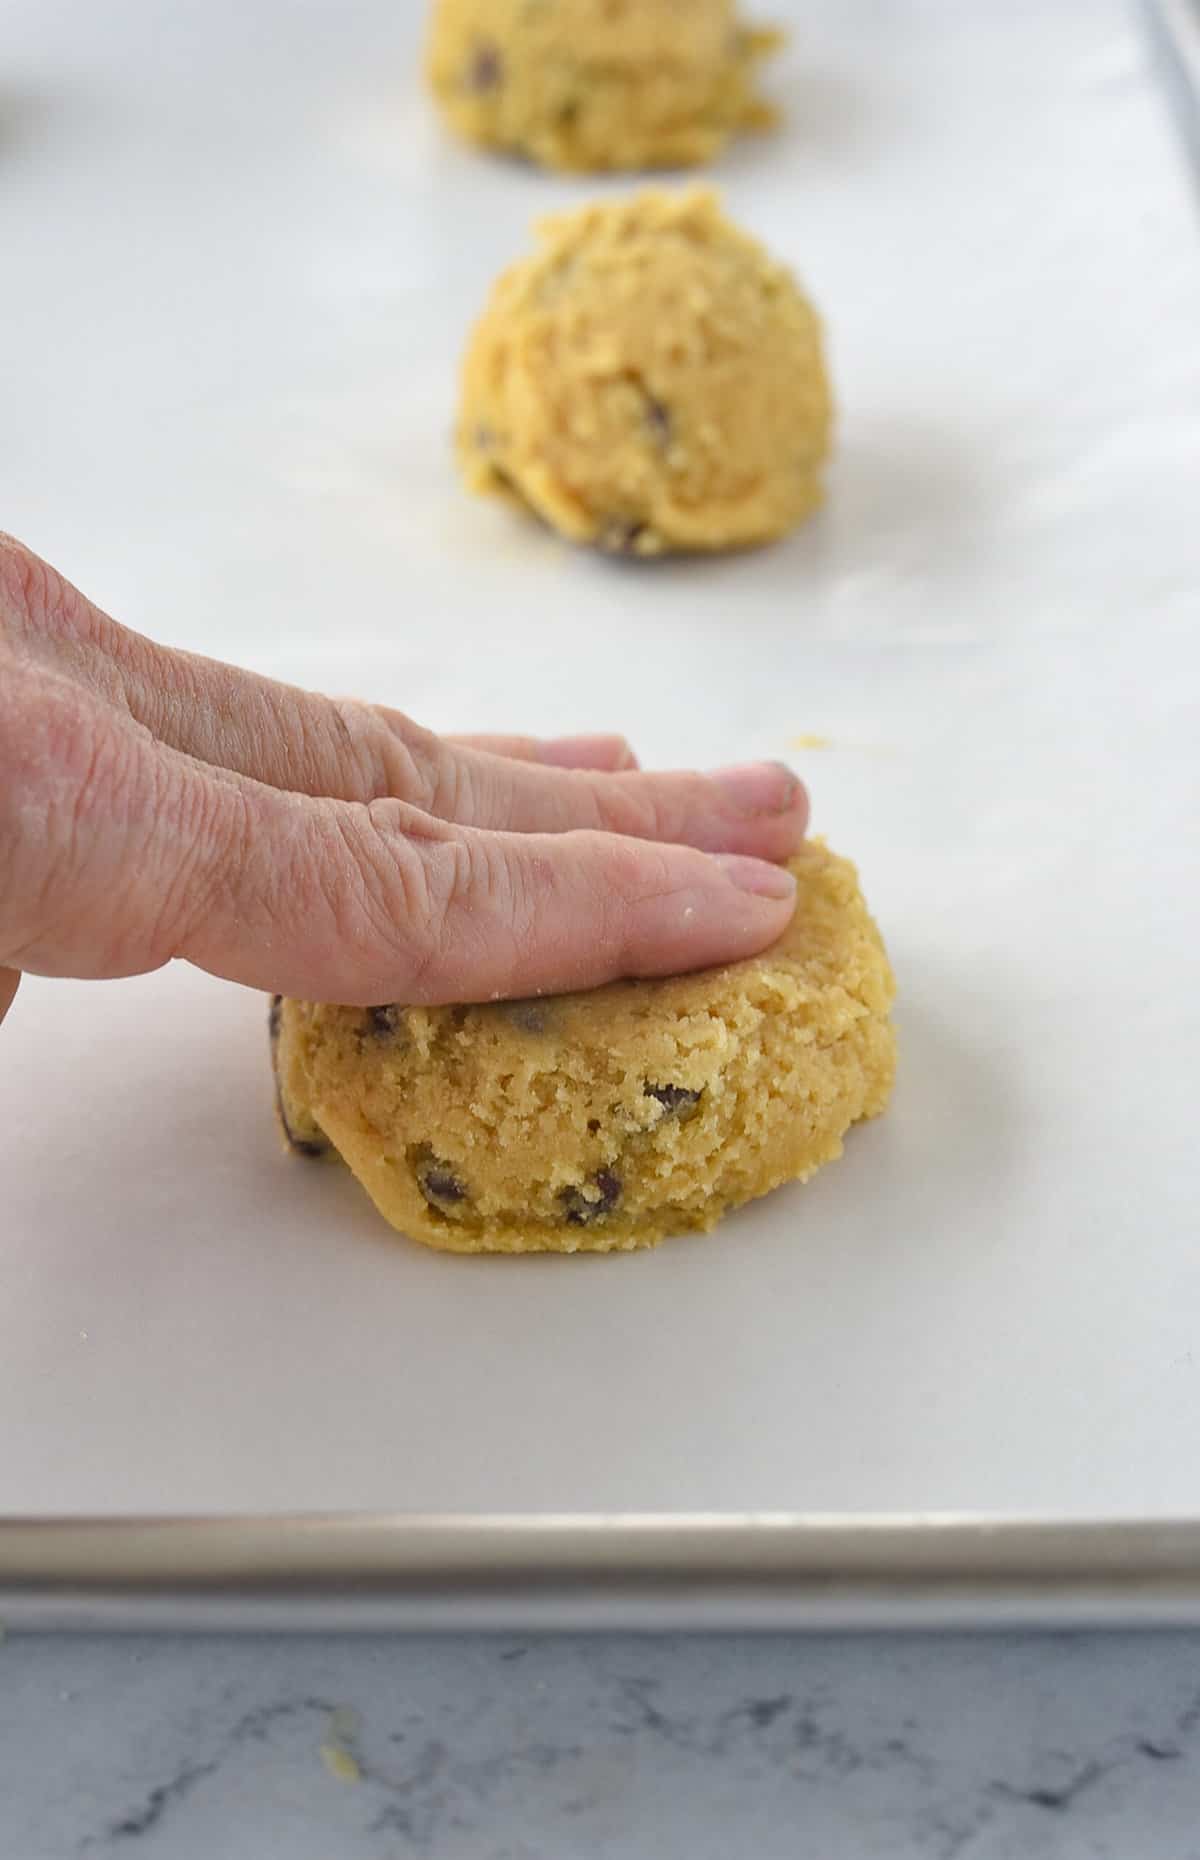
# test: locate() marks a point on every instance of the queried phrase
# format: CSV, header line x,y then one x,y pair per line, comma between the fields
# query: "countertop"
x,y
514,1749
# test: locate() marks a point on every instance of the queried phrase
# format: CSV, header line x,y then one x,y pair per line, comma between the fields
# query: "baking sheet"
x,y
245,259
1174,27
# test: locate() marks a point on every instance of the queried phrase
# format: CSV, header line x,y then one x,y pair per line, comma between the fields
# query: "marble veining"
x,y
469,1748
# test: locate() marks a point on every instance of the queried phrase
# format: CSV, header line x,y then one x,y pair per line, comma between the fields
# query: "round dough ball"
x,y
649,380
598,84
606,1120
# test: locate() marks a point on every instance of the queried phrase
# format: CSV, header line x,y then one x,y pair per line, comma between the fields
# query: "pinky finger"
x,y
609,754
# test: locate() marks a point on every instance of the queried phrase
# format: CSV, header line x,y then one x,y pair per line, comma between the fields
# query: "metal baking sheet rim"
x,y
760,1571
577,1573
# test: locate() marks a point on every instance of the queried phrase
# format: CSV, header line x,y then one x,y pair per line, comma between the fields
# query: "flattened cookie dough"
x,y
300,1133
606,1120
598,84
649,380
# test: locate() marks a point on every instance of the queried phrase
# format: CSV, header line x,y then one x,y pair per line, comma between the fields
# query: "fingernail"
x,y
582,752
757,876
758,787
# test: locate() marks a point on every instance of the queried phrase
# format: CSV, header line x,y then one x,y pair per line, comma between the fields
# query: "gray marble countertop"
x,y
557,1749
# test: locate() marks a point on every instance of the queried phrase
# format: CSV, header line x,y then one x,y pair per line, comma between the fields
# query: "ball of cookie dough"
x,y
598,84
605,1120
650,380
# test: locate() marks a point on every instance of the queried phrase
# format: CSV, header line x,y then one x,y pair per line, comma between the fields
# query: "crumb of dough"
x,y
338,1759
610,1119
594,85
649,380
340,1763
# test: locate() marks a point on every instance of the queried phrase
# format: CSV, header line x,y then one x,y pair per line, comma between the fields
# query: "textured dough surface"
x,y
649,380
612,1118
598,84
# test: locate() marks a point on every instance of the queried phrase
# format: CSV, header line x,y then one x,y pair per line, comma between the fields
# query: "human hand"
x,y
154,804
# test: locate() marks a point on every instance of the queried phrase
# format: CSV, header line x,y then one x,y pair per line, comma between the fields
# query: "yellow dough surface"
x,y
598,84
649,380
605,1120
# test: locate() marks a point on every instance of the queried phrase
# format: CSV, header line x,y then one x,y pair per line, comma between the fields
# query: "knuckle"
x,y
58,747
389,754
505,894
352,727
632,869
340,872
44,618
66,776
31,592
489,913
640,809
437,779
380,886
21,573
442,907
209,836
636,874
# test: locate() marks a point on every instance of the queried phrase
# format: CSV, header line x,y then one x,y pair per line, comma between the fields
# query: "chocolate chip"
x,y
676,1100
581,1209
438,1182
484,438
384,1022
658,422
486,69
529,1016
619,536
303,1146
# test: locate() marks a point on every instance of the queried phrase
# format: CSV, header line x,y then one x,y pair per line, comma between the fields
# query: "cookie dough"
x,y
649,380
605,1120
300,1132
598,84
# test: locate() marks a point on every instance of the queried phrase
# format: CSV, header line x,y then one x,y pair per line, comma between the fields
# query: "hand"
x,y
155,805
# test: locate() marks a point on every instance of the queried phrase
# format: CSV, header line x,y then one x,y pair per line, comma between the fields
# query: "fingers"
x,y
336,851
358,752
231,718
96,827
371,904
348,751
309,744
10,981
301,742
611,753
760,809
141,854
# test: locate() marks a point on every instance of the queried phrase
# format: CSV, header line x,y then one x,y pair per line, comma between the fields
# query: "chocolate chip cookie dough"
x,y
649,380
605,1120
598,84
